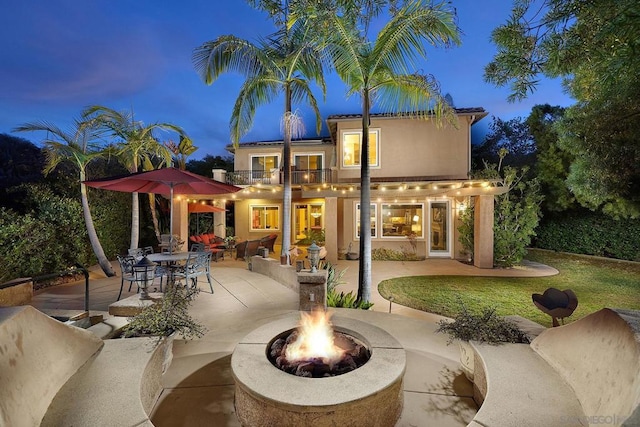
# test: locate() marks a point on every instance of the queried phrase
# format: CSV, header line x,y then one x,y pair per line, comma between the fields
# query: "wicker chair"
x,y
269,241
247,248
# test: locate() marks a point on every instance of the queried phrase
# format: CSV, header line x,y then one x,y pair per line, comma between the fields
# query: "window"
x,y
307,168
401,220
351,152
373,220
265,217
261,166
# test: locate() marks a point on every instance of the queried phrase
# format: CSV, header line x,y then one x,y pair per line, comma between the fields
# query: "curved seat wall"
x,y
38,355
599,356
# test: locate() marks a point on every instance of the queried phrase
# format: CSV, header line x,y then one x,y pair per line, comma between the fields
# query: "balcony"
x,y
299,177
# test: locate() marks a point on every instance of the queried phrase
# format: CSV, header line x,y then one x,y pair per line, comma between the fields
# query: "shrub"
x,y
386,254
313,236
335,299
167,316
486,326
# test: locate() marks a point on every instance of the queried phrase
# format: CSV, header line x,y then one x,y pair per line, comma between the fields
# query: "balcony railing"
x,y
307,176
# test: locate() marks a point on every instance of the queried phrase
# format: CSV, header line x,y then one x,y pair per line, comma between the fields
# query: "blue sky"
x,y
59,56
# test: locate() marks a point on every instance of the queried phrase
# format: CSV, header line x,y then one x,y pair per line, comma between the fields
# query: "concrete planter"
x,y
466,358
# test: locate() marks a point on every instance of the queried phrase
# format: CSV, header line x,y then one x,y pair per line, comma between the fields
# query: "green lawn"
x,y
597,282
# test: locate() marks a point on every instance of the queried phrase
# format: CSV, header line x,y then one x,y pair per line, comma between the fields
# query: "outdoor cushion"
x,y
205,239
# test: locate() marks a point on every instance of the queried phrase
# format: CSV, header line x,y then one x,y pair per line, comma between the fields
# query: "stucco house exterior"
x,y
419,185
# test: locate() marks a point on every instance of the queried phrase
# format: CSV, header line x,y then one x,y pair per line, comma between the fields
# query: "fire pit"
x,y
369,395
315,350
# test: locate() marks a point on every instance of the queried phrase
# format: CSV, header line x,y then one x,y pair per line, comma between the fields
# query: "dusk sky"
x,y
59,56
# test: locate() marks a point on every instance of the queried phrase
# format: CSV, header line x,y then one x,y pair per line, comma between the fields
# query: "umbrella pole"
x,y
171,219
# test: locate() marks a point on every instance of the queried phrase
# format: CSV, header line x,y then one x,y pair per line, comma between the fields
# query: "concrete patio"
x,y
199,388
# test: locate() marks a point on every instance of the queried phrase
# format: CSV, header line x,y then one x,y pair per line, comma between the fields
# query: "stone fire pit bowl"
x,y
371,395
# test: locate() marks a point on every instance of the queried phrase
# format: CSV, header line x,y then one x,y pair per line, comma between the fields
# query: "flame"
x,y
315,340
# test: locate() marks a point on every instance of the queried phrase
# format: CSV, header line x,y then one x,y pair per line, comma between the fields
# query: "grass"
x,y
597,282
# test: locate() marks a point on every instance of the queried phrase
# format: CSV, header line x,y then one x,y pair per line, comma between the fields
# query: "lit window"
x,y
401,220
265,217
261,166
373,220
307,168
351,148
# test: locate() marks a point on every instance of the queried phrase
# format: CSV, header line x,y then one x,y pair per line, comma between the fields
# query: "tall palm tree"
x,y
78,147
382,71
282,64
137,149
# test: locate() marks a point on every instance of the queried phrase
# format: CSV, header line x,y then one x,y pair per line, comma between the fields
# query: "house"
x,y
419,186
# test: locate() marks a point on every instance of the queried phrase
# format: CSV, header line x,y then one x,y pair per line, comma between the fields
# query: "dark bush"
x,y
590,233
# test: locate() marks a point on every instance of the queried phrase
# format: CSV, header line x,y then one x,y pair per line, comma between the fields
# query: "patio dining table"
x,y
168,258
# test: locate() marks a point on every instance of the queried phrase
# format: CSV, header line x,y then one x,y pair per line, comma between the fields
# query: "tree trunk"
x,y
135,220
286,164
364,262
103,261
154,215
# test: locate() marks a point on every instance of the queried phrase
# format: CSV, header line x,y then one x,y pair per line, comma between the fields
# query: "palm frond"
x,y
414,95
402,40
256,91
301,92
228,53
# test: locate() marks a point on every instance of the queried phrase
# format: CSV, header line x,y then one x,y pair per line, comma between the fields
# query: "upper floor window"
x,y
263,163
352,148
265,217
308,161
307,168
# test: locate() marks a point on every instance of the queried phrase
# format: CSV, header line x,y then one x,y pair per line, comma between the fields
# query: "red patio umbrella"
x,y
164,181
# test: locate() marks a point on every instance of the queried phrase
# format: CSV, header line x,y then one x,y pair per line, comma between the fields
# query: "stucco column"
x,y
483,232
181,219
331,228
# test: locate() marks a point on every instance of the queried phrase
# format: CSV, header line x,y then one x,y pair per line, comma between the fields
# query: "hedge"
x,y
590,233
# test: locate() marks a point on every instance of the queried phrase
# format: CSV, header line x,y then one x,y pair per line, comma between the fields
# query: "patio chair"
x,y
126,267
198,264
147,250
197,247
136,253
269,241
247,248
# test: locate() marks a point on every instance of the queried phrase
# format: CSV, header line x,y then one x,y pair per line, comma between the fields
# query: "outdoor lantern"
x,y
314,256
144,271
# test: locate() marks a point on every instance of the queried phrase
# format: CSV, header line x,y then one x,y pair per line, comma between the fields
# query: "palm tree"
x,y
136,147
79,148
381,71
281,64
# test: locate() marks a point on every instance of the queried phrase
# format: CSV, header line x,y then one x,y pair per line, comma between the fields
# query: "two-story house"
x,y
419,185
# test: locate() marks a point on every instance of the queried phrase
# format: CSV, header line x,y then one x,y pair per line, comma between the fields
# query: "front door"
x,y
439,228
307,218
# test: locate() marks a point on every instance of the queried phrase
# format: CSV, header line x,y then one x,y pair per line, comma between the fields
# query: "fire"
x,y
315,340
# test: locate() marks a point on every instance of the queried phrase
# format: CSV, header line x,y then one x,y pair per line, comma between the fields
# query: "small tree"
x,y
516,214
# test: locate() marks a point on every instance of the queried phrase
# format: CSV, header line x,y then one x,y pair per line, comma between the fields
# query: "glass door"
x,y
307,219
439,228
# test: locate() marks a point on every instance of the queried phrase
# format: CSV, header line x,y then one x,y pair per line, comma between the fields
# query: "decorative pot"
x,y
467,356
